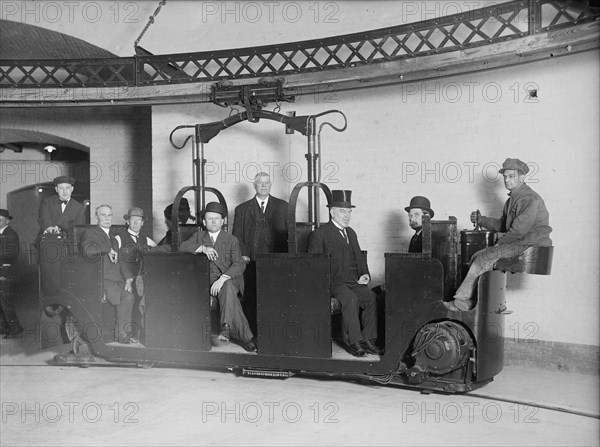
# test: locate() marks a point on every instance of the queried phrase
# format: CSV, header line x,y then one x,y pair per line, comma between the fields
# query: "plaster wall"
x,y
444,139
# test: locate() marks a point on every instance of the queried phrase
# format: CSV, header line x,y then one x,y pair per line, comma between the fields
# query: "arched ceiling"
x,y
17,138
41,43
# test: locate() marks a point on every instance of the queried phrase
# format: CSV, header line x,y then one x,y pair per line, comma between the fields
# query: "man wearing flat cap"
x,y
9,256
418,207
226,271
524,222
349,275
133,248
57,211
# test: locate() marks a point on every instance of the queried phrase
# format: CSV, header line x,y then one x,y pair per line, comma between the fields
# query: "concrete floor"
x,y
45,404
54,405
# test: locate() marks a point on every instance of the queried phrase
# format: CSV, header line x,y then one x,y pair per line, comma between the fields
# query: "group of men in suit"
x,y
123,254
260,226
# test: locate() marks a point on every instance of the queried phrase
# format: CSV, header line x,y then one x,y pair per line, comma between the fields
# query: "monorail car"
x,y
426,345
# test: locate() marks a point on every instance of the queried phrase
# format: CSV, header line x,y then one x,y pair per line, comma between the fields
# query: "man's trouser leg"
x,y
367,301
123,301
350,308
483,261
12,324
232,312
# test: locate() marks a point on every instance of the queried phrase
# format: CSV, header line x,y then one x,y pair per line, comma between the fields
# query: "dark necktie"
x,y
413,246
262,207
344,235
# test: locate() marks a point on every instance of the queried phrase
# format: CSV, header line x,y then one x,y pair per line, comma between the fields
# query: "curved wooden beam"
x,y
531,48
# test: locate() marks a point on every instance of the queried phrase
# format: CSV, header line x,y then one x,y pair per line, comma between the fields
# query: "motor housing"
x,y
440,348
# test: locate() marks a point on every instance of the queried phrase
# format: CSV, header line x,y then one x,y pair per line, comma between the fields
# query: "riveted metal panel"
x,y
177,314
293,302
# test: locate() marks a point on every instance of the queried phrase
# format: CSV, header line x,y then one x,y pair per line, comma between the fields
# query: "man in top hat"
x,y
96,242
260,224
349,275
524,222
57,211
225,274
9,256
133,248
418,207
183,215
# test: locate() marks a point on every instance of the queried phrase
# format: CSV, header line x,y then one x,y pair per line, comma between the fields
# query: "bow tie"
x,y
64,202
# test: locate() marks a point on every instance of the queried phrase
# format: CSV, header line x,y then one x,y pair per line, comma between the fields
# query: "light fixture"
x,y
49,148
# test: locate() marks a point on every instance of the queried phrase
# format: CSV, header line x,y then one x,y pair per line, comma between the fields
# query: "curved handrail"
x,y
175,242
291,211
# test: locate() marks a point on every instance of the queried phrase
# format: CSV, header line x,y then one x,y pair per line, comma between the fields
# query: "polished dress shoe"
x,y
250,346
225,334
356,350
371,347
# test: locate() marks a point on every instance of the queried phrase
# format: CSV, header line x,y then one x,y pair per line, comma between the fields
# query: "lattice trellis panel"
x,y
556,14
480,27
71,73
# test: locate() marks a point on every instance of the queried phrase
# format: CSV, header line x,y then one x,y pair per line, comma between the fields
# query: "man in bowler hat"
x,y
524,222
225,273
58,211
418,207
349,275
9,256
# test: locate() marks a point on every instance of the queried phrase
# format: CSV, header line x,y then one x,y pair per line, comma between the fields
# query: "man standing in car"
x,y
58,211
260,224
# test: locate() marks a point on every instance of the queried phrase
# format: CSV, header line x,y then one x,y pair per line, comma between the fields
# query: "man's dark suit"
x,y
348,264
133,250
230,263
416,243
249,222
9,256
51,214
259,233
95,242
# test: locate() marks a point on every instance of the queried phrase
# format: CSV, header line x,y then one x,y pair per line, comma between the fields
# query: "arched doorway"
x,y
29,161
